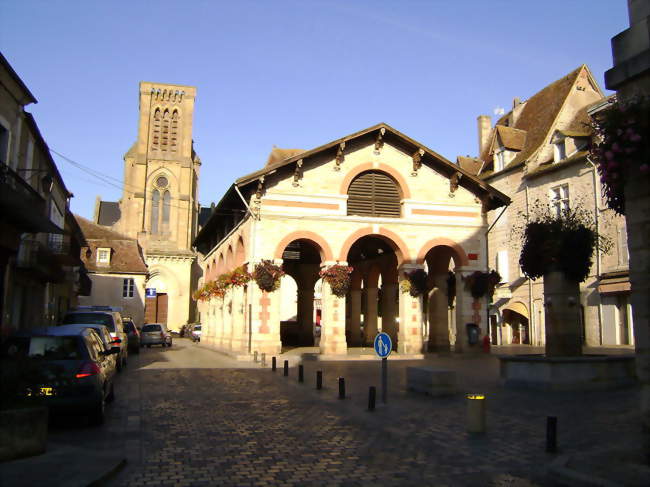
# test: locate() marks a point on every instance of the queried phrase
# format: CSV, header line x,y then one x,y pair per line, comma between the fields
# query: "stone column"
x,y
238,344
389,311
332,339
370,319
354,323
561,316
468,310
305,316
410,331
438,315
265,320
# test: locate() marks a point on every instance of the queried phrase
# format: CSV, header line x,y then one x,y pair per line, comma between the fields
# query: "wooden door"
x,y
161,309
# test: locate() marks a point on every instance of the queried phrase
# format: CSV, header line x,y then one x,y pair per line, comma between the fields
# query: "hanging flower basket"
x,y
564,242
623,130
239,277
480,283
267,276
338,277
417,283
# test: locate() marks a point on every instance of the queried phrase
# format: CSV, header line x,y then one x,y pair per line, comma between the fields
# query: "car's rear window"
x,y
129,326
151,328
89,319
197,327
45,347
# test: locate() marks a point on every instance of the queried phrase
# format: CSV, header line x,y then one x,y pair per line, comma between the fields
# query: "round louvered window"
x,y
162,182
374,193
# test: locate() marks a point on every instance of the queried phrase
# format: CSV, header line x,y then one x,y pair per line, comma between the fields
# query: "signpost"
x,y
383,347
150,292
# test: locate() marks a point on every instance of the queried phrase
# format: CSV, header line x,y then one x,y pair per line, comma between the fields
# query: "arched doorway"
x,y
515,316
301,261
373,299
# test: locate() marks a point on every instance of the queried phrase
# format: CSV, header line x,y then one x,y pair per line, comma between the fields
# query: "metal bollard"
x,y
273,364
551,434
255,356
475,413
341,388
286,368
372,394
263,360
319,379
301,373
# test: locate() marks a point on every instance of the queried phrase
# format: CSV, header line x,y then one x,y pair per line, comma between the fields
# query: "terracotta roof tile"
x,y
470,164
511,138
277,154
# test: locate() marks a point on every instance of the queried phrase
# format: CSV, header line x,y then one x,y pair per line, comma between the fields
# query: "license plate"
x,y
41,392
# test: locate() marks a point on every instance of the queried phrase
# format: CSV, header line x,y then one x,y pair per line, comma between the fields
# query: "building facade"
x,y
116,269
376,201
41,274
159,203
538,154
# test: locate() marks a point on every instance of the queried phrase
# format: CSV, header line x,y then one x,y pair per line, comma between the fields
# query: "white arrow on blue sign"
x,y
150,292
383,345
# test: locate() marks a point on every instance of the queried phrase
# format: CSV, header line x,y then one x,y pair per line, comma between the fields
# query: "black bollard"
x,y
341,388
372,394
273,364
551,434
301,373
255,356
286,368
263,360
319,379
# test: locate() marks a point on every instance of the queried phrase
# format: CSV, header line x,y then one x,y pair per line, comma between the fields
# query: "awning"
x,y
614,287
517,307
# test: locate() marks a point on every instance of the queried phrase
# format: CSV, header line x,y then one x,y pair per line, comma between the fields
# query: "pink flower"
x,y
644,168
609,155
616,147
635,137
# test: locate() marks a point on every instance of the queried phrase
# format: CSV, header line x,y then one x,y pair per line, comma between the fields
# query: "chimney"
x,y
484,127
517,107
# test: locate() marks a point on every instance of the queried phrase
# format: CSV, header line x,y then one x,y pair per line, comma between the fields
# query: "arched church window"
x,y
174,131
165,212
155,210
374,193
155,130
166,121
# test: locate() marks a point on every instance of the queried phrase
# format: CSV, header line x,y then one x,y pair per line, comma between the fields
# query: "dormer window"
x,y
559,151
500,159
103,256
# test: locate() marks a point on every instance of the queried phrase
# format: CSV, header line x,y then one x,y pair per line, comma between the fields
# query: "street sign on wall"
x,y
150,292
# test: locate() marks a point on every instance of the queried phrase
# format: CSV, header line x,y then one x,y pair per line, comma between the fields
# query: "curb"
x,y
117,468
559,472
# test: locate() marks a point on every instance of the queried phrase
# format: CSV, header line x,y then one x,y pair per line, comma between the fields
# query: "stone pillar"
x,y
238,343
332,339
226,341
562,316
265,320
353,324
370,319
438,315
468,310
389,311
410,331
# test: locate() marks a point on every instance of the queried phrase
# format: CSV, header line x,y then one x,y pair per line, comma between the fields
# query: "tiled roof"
x,y
511,138
126,254
537,117
109,213
204,215
470,164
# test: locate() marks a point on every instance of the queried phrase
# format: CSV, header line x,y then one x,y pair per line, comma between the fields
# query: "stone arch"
x,y
394,240
221,265
322,245
230,258
460,257
240,252
372,166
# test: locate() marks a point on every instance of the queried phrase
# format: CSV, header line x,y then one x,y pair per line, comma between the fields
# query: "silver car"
x,y
155,334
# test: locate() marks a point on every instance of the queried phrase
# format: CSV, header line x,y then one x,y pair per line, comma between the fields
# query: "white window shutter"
x,y
502,265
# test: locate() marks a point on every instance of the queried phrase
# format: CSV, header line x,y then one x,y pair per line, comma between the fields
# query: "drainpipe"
x,y
487,258
597,192
531,316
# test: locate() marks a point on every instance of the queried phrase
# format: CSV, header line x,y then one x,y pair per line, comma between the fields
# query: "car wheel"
x,y
98,413
111,395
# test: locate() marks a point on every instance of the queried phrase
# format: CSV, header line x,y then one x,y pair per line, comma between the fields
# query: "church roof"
x,y
109,213
126,254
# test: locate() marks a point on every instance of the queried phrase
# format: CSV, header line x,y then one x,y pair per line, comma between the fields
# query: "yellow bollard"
x,y
475,413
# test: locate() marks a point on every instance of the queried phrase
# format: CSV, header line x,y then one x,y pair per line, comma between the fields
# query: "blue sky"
x,y
295,73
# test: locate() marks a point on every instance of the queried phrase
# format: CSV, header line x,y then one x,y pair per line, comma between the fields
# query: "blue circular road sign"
x,y
383,345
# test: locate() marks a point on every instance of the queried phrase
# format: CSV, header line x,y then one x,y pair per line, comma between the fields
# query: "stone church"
x,y
159,204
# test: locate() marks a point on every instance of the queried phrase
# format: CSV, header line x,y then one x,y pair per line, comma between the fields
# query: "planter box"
x,y
434,382
588,372
23,432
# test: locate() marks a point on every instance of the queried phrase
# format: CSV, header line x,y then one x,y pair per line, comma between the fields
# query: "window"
x,y
103,256
559,197
4,144
127,287
500,159
502,265
160,215
374,193
155,204
623,253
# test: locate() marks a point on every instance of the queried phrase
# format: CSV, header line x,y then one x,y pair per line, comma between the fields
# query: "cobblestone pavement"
x,y
226,426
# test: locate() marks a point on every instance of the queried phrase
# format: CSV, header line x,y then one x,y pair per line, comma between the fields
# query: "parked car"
x,y
99,316
69,371
155,334
133,335
196,333
102,331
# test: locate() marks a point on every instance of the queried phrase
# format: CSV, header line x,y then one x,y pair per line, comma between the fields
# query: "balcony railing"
x,y
37,258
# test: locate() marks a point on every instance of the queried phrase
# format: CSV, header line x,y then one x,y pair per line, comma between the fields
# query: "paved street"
x,y
187,416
